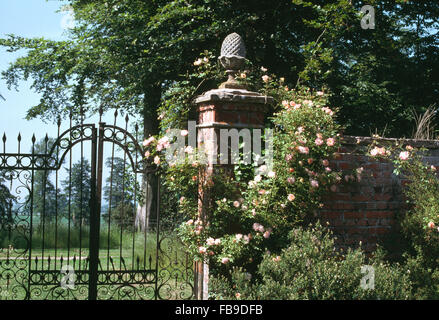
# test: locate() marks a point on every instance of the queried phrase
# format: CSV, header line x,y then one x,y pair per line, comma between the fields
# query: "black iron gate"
x,y
92,231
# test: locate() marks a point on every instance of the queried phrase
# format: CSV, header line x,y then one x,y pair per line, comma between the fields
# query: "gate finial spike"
x,y
127,118
19,136
4,137
58,123
101,112
33,138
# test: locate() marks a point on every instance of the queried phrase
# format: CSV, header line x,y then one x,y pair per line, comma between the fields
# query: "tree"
x,y
118,192
7,200
77,190
44,193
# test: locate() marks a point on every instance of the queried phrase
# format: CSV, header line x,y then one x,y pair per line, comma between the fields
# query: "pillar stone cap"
x,y
233,95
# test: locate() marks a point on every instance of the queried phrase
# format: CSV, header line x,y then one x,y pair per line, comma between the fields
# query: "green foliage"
x,y
311,268
416,239
251,207
130,52
77,190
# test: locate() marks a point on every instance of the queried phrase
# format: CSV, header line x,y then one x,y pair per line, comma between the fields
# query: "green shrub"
x,y
311,268
415,241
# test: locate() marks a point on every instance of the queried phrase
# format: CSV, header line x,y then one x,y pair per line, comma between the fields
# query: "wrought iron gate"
x,y
58,240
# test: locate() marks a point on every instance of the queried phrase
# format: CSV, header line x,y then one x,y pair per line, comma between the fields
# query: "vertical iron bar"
x,y
56,193
70,191
135,200
158,237
95,207
31,195
123,192
45,174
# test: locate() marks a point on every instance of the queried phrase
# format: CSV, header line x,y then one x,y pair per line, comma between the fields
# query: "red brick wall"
x,y
365,210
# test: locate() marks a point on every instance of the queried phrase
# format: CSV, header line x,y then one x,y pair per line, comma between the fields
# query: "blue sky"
x,y
30,18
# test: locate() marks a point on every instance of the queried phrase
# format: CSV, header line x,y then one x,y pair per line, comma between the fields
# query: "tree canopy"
x,y
126,53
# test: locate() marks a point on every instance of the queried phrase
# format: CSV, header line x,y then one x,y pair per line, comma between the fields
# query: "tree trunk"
x,y
149,185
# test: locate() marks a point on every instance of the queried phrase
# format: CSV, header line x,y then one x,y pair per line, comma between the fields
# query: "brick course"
x,y
365,211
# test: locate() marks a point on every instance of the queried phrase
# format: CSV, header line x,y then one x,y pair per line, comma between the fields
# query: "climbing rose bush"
x,y
250,210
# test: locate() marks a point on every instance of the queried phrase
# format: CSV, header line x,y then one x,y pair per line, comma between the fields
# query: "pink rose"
x,y
404,155
225,260
291,180
303,150
291,197
330,142
318,142
314,184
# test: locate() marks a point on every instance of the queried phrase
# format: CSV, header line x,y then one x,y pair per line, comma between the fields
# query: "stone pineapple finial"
x,y
232,59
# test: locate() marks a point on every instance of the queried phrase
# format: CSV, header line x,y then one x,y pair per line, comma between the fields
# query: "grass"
x,y
119,251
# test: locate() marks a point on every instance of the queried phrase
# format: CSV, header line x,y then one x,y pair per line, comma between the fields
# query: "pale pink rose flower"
x,y
148,141
291,180
261,228
271,174
238,236
182,199
288,157
300,129
328,169
190,222
404,155
325,162
189,149
210,241
330,142
303,150
291,197
157,160
267,234
285,104
147,154
258,178
256,226
253,212
202,250
314,183
184,133
159,147
225,260
236,204
319,93
431,225
217,242
276,259
374,152
238,295
318,142
264,69
265,78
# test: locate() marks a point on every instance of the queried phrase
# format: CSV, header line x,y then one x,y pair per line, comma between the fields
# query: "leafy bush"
x,y
416,240
251,207
311,268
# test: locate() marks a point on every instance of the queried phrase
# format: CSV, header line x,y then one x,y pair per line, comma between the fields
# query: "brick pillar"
x,y
220,110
